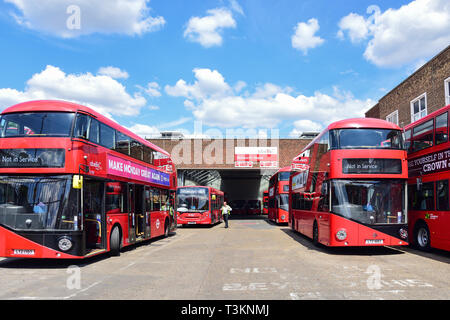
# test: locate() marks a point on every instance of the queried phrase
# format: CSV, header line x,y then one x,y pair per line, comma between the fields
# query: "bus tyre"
x,y
315,234
114,242
422,237
166,228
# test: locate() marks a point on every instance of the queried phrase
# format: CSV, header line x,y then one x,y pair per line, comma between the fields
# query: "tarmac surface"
x,y
254,259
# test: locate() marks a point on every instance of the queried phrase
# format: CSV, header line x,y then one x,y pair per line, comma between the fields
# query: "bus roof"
x,y
65,106
284,169
354,123
427,117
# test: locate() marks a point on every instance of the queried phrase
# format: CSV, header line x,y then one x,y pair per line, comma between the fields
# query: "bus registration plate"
x,y
26,252
192,222
374,241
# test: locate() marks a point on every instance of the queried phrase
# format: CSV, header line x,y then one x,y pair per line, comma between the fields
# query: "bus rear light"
x,y
341,235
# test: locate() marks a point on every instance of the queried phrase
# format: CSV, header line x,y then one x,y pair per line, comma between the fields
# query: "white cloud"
x,y
266,107
305,125
304,37
397,37
145,131
113,72
235,6
73,18
209,84
103,93
207,30
153,89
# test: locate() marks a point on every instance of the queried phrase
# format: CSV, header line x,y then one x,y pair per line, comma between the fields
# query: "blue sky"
x,y
157,65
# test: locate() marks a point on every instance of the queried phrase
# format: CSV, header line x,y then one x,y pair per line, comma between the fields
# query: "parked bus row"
x,y
74,184
367,182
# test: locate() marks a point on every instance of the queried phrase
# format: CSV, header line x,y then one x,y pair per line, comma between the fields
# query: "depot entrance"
x,y
241,168
243,188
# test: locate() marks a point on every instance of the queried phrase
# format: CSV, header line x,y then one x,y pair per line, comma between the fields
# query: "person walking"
x,y
226,211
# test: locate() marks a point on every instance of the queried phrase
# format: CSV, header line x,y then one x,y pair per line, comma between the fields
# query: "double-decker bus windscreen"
x,y
38,203
36,124
366,139
192,199
369,202
284,176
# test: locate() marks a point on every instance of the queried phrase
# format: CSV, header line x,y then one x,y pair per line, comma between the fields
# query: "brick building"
x,y
424,91
213,162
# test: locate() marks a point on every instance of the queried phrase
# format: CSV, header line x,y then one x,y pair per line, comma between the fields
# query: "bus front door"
x,y
131,214
94,217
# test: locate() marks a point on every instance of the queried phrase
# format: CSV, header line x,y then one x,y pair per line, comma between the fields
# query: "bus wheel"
x,y
166,228
315,234
114,242
422,237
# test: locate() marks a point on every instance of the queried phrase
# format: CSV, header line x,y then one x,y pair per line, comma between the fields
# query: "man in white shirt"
x,y
226,211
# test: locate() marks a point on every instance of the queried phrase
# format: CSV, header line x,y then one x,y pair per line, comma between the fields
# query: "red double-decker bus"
x,y
74,184
279,196
199,205
349,185
428,150
265,202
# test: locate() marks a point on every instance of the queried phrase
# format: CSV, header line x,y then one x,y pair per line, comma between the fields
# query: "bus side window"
x,y
107,136
423,135
81,126
408,145
122,143
442,195
156,199
94,131
324,197
441,134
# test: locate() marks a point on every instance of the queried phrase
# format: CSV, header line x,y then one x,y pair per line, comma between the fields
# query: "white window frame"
x,y
390,116
447,91
412,107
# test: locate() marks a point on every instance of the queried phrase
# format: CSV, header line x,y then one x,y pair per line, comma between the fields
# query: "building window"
x,y
447,91
419,107
393,117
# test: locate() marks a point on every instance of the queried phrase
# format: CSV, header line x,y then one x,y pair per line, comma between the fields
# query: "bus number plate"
x,y
25,252
192,222
374,241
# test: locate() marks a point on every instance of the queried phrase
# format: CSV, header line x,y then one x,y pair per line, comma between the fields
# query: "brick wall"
x,y
428,79
219,153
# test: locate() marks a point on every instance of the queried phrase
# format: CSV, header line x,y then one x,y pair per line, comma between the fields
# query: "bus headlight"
x,y
341,235
64,243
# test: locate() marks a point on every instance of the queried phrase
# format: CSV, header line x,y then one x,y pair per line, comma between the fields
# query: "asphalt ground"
x,y
254,259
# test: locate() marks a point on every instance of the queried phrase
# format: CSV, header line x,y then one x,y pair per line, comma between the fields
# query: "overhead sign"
x,y
125,168
247,157
32,158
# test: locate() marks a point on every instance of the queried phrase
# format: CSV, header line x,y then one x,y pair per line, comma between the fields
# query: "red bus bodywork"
x,y
253,207
199,205
127,193
266,202
279,196
342,195
428,184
